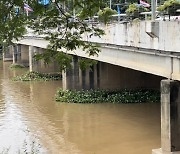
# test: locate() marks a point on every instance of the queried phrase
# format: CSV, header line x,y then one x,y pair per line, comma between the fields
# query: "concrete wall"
x,y
165,35
8,54
40,66
108,76
24,55
112,77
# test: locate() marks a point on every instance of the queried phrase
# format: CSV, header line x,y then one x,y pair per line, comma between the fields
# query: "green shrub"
x,y
134,10
169,7
105,14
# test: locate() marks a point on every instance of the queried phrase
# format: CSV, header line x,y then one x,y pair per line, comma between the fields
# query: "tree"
x,y
11,23
56,21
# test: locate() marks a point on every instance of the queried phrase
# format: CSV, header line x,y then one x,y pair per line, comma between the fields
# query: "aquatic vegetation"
x,y
36,76
16,66
108,96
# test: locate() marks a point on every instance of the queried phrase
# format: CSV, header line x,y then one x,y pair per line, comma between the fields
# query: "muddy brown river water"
x,y
30,120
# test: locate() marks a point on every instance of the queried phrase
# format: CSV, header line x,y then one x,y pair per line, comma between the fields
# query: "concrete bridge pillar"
x,y
21,55
170,118
107,76
41,66
89,78
71,76
78,79
15,54
8,54
31,54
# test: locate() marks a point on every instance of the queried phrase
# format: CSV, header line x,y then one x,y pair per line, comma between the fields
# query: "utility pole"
x,y
153,10
110,4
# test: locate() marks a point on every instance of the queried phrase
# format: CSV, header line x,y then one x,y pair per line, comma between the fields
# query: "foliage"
x,y
86,63
56,21
134,10
63,60
12,26
35,76
169,6
108,96
64,31
105,14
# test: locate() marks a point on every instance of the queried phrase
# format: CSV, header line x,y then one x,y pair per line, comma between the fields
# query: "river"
x,y
31,120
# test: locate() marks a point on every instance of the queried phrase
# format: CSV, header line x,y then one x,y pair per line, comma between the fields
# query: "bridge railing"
x,y
142,16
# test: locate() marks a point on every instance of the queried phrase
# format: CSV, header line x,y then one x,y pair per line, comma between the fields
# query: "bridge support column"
x,y
71,76
8,54
32,51
15,54
89,78
170,118
40,66
78,79
23,55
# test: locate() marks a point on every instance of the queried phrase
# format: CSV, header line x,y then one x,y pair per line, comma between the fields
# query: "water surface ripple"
x,y
29,116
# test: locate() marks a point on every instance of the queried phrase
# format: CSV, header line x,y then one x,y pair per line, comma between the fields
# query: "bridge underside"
x,y
165,64
102,76
160,63
108,76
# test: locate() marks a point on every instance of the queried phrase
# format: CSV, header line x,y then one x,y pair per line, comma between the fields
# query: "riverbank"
x,y
108,96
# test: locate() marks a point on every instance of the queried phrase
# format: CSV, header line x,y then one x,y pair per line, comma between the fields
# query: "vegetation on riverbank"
x,y
35,76
108,96
16,66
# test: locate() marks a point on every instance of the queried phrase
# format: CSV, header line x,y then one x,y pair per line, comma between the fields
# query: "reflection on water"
x,y
29,113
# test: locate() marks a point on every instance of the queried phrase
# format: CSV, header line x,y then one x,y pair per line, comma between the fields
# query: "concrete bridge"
x,y
133,54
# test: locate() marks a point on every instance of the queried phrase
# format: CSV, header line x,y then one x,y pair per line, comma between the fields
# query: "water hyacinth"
x,y
36,76
16,66
108,96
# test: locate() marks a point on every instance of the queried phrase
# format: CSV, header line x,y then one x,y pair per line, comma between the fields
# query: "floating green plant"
x,y
16,66
108,96
36,76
